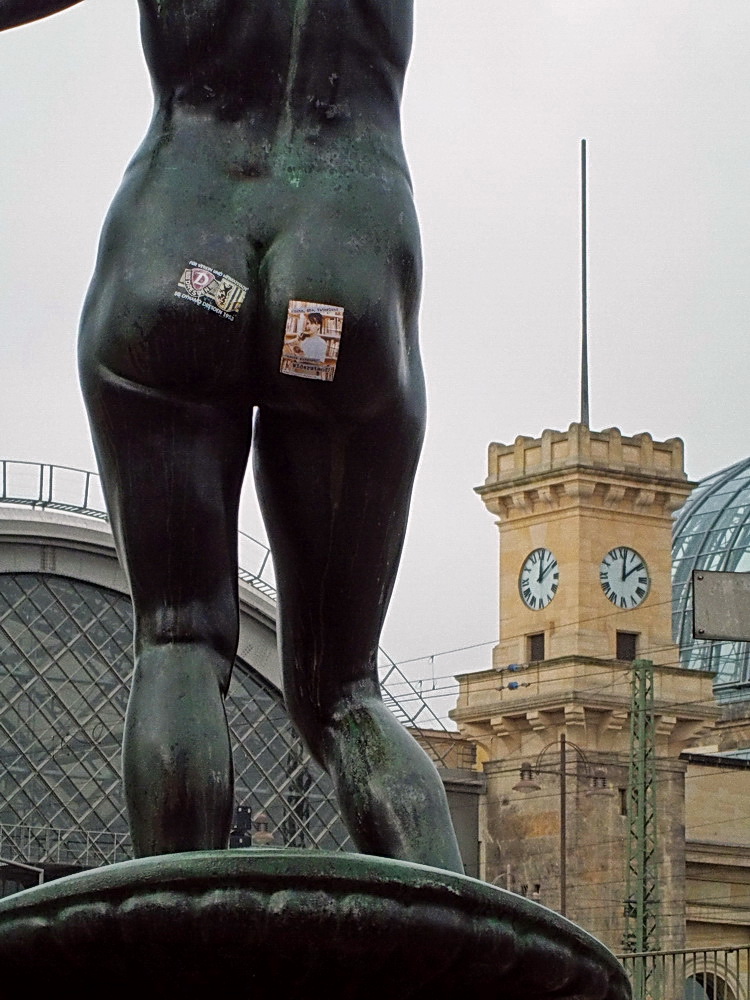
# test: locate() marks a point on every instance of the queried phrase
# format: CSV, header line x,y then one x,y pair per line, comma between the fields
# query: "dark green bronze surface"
x,y
295,924
274,164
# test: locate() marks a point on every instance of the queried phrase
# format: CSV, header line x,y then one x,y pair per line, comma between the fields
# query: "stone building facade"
x,y
556,828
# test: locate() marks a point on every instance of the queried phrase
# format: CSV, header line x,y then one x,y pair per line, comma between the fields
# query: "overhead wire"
x,y
574,623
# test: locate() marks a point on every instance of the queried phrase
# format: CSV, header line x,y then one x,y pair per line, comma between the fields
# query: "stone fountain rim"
x,y
289,888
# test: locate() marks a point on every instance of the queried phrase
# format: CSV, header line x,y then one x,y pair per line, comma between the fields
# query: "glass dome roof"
x,y
712,531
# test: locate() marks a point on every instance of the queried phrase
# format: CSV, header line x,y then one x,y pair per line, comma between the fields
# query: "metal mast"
x,y
584,296
641,901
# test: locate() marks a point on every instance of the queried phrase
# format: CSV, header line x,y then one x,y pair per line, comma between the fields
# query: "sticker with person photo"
x,y
311,340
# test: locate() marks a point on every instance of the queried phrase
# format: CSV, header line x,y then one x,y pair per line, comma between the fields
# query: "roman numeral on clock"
x,y
623,576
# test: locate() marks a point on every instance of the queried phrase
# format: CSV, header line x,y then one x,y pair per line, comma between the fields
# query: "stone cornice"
x,y
587,661
579,694
579,466
584,487
717,913
709,852
564,699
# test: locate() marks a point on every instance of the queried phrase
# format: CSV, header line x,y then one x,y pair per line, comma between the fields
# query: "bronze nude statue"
x,y
258,278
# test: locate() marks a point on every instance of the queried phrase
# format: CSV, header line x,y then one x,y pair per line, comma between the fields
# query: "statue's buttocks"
x,y
274,156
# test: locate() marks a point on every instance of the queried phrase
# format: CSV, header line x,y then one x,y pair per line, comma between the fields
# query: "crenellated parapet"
x,y
564,468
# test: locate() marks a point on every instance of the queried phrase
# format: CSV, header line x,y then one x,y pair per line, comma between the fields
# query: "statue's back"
x,y
327,58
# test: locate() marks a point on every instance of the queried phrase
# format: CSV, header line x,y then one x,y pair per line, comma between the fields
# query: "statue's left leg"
x,y
172,471
335,500
165,383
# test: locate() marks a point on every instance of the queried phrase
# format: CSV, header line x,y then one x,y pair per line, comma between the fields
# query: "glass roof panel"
x,y
712,532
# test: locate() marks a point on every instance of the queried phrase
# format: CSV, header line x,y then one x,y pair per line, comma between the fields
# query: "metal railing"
x,y
398,693
76,491
55,486
690,974
53,846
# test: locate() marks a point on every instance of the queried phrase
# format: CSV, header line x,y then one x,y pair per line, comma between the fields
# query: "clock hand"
x,y
633,569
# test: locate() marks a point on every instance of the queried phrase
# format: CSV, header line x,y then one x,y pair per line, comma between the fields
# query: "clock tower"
x,y
585,523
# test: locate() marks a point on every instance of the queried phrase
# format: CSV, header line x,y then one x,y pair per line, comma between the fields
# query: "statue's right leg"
x,y
172,460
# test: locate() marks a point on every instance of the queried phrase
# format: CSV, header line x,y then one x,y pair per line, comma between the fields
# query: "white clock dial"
x,y
538,580
624,577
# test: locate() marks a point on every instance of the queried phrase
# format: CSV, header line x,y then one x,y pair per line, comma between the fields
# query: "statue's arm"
x,y
16,12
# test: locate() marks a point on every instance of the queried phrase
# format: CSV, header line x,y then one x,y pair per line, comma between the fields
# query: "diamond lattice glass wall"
x,y
65,666
712,532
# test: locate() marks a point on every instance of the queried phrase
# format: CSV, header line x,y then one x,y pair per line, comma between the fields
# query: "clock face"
x,y
624,577
538,580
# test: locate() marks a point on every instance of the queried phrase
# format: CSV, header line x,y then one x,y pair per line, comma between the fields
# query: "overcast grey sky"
x,y
498,96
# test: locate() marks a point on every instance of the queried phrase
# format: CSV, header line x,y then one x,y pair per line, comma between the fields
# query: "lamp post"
x,y
528,784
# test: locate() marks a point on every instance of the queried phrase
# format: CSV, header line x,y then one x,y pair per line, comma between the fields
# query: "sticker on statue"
x,y
311,340
211,289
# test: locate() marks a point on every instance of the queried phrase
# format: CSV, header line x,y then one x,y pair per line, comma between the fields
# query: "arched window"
x,y
707,986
